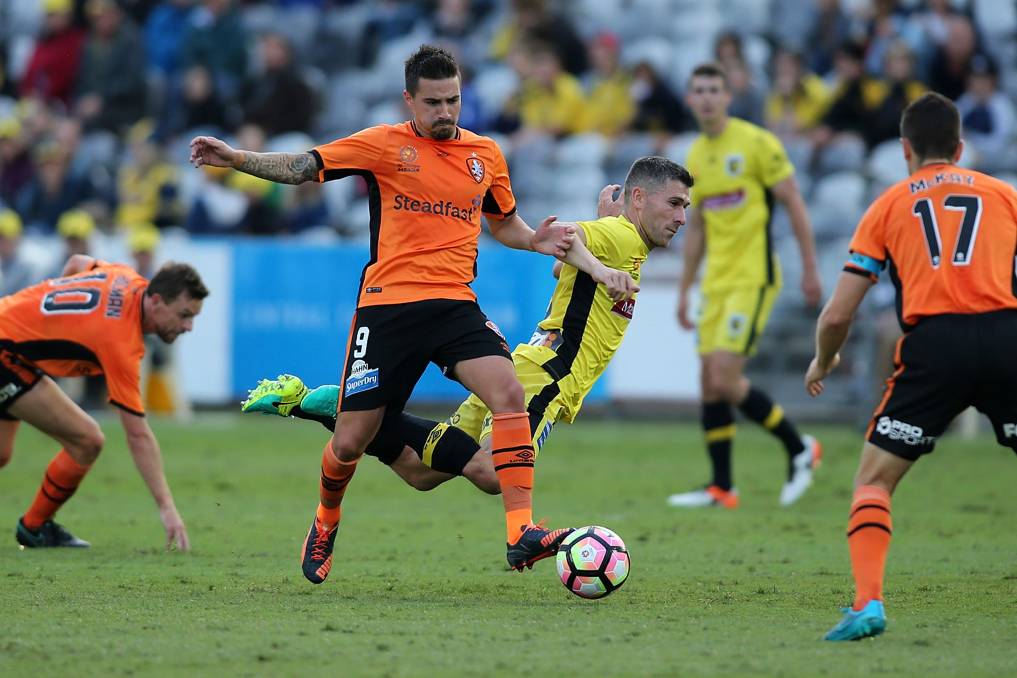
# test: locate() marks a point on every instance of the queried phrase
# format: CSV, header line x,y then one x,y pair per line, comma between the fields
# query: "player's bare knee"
x,y
507,396
484,481
87,445
713,386
345,448
480,471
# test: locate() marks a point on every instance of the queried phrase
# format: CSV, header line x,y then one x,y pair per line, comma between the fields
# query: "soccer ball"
x,y
593,562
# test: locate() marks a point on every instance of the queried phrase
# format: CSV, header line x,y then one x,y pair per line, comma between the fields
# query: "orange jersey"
x,y
426,198
84,324
949,238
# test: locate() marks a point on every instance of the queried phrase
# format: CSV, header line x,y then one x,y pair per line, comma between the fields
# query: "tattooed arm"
x,y
285,168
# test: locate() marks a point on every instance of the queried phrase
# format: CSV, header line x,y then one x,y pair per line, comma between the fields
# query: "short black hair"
x,y
932,125
651,172
709,69
173,279
431,63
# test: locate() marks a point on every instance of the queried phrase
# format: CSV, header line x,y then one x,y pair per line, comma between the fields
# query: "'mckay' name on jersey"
x,y
924,184
426,198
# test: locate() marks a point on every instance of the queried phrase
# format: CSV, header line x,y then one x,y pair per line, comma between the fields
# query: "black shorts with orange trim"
x,y
17,377
391,345
942,366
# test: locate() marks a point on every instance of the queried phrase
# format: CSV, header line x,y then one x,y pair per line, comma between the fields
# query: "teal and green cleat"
x,y
275,396
858,624
322,401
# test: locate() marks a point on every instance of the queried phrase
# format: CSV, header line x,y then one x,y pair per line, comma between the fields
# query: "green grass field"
x,y
419,586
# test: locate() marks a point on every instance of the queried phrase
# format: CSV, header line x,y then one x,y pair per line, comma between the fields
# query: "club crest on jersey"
x,y
362,378
476,167
734,164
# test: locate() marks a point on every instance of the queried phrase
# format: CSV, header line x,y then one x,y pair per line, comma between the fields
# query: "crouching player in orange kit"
x,y
90,321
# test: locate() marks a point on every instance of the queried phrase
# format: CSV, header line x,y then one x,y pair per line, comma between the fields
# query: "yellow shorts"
x,y
474,418
733,319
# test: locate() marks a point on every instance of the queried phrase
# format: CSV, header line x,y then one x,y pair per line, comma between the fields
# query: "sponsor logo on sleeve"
x,y
624,308
362,378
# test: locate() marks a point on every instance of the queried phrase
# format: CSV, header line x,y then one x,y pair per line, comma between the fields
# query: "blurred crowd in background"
x,y
100,98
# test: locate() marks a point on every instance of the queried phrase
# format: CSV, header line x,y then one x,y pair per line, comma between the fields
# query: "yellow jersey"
x,y
584,327
734,172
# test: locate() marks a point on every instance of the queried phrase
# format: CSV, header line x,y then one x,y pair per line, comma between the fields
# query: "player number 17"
x,y
971,206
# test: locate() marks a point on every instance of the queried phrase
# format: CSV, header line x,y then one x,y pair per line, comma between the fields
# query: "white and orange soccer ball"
x,y
593,562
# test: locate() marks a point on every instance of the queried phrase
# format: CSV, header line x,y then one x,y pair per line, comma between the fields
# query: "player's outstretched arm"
x,y
148,459
787,192
549,238
832,328
692,254
284,168
619,284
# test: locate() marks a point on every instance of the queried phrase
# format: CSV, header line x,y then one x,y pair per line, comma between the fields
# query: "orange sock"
x,y
335,476
512,454
869,530
58,484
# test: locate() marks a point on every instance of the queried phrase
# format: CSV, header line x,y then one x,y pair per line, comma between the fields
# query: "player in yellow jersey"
x,y
568,351
740,169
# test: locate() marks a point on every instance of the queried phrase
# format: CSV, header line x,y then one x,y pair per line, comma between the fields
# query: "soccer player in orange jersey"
x,y
428,183
90,321
947,237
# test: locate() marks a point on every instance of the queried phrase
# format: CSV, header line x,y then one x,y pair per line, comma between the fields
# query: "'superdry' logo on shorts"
x,y
362,378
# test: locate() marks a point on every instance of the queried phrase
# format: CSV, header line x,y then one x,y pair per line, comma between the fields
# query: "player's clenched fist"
x,y
212,151
619,284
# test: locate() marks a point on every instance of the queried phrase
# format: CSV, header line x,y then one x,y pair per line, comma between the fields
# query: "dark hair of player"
x,y
431,63
709,70
651,173
172,279
931,124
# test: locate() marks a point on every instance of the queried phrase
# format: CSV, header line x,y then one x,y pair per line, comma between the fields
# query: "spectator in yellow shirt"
x,y
798,99
549,100
147,185
610,108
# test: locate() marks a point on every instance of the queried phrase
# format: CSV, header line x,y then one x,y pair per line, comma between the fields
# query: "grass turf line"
x,y
419,585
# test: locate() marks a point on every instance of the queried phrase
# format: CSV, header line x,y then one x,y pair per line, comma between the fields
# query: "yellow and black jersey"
x,y
584,327
734,172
